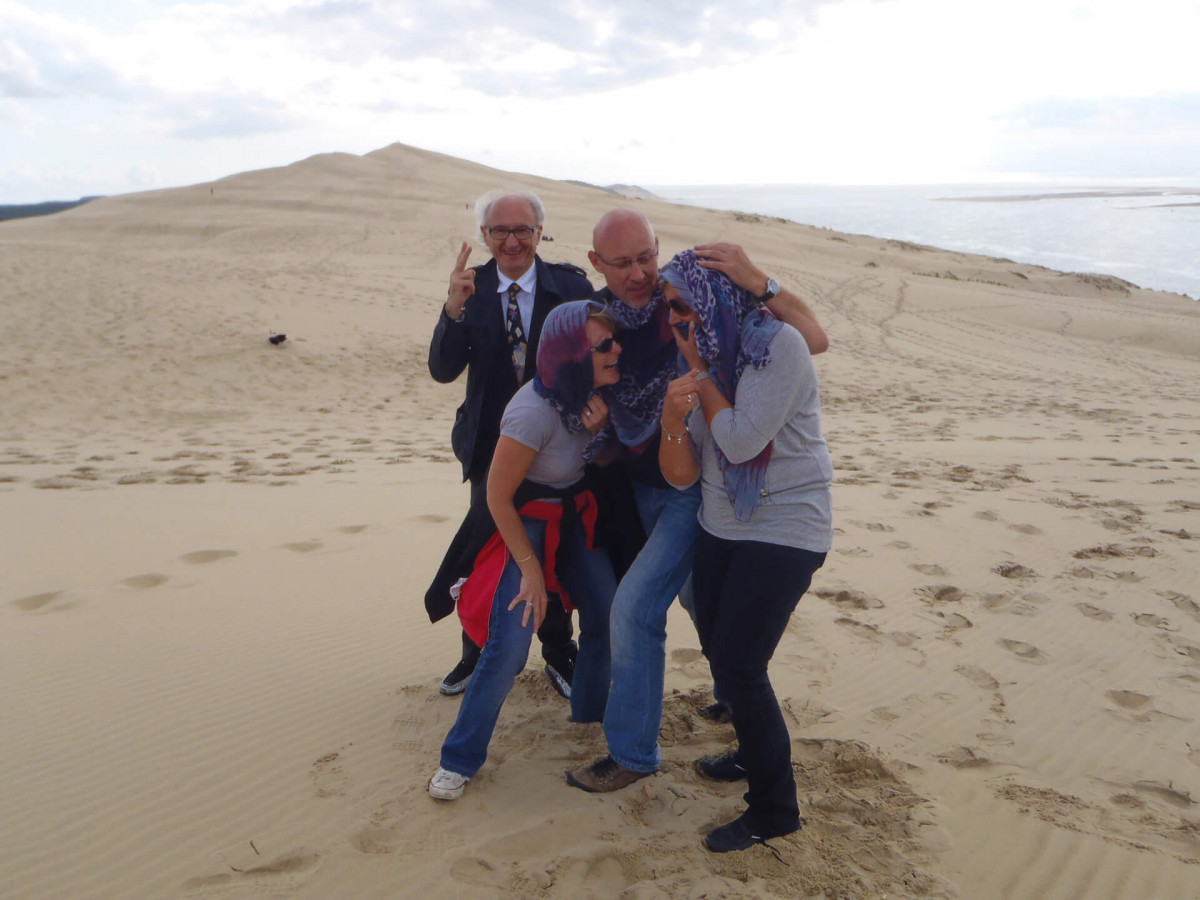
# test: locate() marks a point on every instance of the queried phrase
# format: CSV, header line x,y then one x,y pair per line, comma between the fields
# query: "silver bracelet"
x,y
674,438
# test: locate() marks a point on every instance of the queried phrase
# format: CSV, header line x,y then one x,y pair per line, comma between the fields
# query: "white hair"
x,y
484,205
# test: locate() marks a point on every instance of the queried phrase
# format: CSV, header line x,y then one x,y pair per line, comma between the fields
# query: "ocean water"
x,y
1148,235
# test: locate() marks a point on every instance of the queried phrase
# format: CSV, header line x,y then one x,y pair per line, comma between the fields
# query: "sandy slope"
x,y
219,680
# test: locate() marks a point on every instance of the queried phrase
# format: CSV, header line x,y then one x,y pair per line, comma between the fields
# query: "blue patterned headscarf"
x,y
733,332
565,376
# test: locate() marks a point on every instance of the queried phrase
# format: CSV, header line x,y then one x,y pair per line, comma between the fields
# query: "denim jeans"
x,y
745,594
639,623
590,584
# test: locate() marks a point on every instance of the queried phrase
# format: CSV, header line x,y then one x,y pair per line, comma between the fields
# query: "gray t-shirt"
x,y
532,422
781,404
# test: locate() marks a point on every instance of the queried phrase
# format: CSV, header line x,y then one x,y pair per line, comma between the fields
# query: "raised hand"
x,y
733,261
595,414
462,284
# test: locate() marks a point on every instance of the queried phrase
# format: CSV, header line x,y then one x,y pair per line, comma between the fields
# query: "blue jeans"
x,y
639,623
590,584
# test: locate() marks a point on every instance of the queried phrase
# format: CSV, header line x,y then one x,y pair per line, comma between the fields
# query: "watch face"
x,y
772,286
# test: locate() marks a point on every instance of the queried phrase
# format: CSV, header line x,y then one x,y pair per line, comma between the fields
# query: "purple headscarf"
x,y
733,331
565,376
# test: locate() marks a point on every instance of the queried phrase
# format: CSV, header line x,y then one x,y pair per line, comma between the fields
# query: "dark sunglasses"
x,y
605,345
679,307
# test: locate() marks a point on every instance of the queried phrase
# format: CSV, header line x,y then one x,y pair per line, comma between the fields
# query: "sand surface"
x,y
219,680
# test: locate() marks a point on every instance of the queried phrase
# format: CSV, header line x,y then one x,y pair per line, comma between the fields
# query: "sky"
x,y
105,98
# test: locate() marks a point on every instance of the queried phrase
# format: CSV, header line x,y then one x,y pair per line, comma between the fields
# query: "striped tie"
x,y
516,334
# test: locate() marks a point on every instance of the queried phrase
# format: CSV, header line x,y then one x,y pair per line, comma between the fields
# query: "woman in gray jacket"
x,y
746,422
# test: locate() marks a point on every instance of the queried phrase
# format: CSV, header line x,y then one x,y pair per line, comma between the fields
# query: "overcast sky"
x,y
111,97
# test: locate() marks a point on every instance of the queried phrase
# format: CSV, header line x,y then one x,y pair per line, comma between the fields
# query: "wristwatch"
x,y
771,293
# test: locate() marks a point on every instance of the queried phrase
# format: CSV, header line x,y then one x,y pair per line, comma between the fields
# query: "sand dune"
x,y
219,677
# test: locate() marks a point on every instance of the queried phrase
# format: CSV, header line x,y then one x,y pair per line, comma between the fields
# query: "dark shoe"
x,y
721,768
717,712
561,682
560,666
738,835
456,681
604,776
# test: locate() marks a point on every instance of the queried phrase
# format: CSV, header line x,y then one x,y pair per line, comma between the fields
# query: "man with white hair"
x,y
489,325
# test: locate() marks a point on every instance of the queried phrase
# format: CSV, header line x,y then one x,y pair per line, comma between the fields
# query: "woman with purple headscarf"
x,y
543,541
746,422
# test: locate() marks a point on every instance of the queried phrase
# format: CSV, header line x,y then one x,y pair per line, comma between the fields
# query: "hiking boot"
x,y
721,768
604,776
717,712
740,835
447,785
456,681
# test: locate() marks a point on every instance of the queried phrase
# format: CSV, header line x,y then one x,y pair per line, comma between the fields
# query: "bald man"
x,y
625,252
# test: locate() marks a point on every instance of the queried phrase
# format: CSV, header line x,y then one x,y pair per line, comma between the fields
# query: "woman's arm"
x,y
675,456
786,306
510,465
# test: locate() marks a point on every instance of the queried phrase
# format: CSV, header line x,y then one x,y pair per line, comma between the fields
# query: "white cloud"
x,y
675,91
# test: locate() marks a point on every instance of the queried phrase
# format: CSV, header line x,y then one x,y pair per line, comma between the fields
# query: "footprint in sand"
x,y
304,546
930,569
1013,570
328,777
432,519
1150,620
978,677
1022,650
954,621
200,557
964,758
1094,612
1184,604
149,580
352,529
941,593
1130,700
1026,529
850,599
36,601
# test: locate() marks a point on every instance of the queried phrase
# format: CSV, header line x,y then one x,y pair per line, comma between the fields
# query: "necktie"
x,y
516,334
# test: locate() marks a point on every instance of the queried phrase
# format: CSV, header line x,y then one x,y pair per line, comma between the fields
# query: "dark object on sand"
x,y
277,339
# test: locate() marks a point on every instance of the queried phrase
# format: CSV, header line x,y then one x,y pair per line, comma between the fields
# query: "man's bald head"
x,y
625,252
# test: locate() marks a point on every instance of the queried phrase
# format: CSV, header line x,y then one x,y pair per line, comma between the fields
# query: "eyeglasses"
x,y
679,307
605,346
624,265
500,233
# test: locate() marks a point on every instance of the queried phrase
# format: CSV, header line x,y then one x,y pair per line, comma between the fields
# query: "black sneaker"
x,y
721,768
560,668
739,835
456,681
717,712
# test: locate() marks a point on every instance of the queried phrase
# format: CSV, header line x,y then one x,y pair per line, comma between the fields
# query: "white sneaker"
x,y
447,785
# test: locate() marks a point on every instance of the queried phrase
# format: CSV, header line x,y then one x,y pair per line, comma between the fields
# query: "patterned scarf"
x,y
565,377
648,363
732,332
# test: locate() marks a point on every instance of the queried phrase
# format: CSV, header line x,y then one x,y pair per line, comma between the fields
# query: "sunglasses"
x,y
605,346
679,307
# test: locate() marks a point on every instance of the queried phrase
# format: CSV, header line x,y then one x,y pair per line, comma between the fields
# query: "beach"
x,y
220,680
